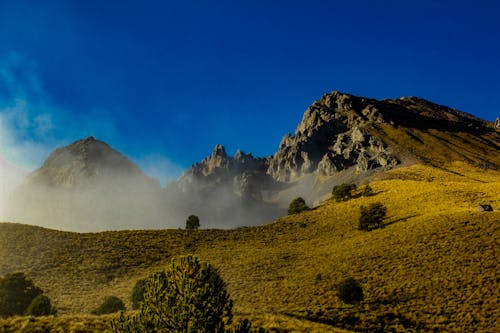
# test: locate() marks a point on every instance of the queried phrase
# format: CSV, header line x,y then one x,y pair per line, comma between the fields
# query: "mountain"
x,y
341,138
340,131
87,186
86,162
344,138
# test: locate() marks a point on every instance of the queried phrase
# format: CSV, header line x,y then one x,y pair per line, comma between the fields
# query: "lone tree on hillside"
x,y
192,222
350,291
16,294
343,192
372,217
297,205
189,296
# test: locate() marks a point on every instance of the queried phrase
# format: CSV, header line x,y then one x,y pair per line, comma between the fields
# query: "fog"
x,y
127,203
67,195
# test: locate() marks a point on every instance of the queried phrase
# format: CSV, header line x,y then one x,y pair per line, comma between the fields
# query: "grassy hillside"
x,y
433,267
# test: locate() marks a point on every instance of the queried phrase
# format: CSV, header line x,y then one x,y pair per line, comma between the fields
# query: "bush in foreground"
x,y
40,306
372,217
297,205
189,296
111,304
350,291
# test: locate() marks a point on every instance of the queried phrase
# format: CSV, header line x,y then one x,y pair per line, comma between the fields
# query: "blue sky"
x,y
164,81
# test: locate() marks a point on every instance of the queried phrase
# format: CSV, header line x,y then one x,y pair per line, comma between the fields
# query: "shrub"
x,y
350,291
40,306
189,296
297,205
111,304
343,192
137,296
16,294
367,191
372,217
193,222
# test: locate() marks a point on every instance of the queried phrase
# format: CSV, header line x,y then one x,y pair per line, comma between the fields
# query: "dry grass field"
x,y
433,267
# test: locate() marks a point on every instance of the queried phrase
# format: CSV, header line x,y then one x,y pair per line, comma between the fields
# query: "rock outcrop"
x,y
245,174
334,135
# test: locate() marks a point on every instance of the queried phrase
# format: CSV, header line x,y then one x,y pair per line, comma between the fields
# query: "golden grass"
x,y
433,267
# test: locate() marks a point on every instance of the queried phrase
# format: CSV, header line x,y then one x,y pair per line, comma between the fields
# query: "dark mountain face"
x,y
341,138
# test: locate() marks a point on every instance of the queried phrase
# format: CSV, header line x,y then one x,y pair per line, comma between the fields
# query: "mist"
x,y
119,202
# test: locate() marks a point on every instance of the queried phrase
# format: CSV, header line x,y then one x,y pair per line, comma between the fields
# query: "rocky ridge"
x,y
334,135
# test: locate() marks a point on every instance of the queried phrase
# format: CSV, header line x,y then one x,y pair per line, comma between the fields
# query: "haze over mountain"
x,y
89,186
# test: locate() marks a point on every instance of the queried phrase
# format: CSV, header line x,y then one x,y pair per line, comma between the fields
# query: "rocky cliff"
x,y
334,135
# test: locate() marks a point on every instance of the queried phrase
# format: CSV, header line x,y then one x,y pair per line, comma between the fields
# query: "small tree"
x,y
350,291
192,222
343,192
40,306
16,294
367,191
111,304
297,205
189,296
372,217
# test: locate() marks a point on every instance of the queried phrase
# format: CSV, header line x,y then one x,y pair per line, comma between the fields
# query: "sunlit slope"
x,y
434,266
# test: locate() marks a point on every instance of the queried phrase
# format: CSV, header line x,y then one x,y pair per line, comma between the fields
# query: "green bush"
x,y
350,291
137,296
343,192
189,296
297,205
40,306
372,217
192,222
16,294
111,304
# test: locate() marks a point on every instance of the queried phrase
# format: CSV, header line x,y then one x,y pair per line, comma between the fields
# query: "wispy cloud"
x,y
31,123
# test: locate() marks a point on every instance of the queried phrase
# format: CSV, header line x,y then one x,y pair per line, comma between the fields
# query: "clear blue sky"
x,y
164,81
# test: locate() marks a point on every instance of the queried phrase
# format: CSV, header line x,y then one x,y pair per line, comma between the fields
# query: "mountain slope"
x,y
433,267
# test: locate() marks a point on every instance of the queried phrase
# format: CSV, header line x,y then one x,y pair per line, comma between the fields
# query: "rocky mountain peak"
x,y
219,151
333,135
83,161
